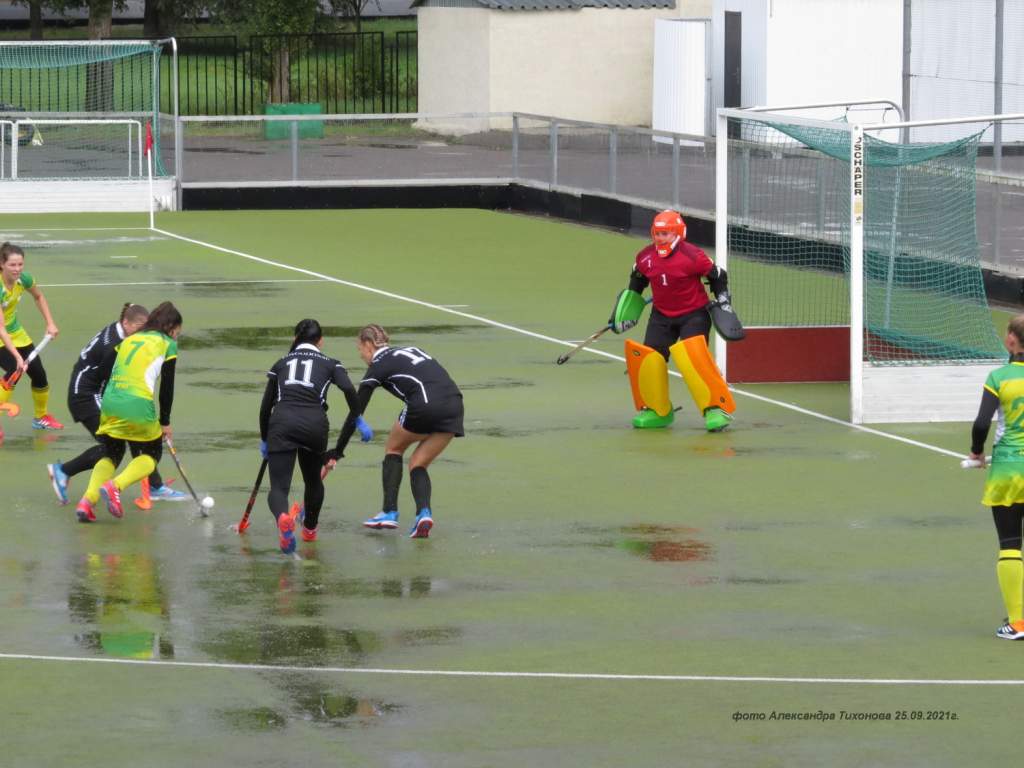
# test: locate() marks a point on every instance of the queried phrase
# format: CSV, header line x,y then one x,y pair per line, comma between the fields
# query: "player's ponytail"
x,y
375,335
133,313
307,331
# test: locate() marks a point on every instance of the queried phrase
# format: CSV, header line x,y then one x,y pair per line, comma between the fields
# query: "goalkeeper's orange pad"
x,y
707,387
648,378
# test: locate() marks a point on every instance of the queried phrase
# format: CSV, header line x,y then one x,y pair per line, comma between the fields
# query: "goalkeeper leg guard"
x,y
707,387
648,379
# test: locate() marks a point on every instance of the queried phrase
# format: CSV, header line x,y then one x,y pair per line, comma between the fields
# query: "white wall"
x,y
801,51
454,49
591,64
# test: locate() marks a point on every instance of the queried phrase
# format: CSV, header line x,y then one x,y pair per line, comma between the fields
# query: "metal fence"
x,y
656,169
344,73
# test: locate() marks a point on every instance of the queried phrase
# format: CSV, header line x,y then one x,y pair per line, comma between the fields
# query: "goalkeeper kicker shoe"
x,y
1011,630
715,419
648,419
381,520
59,481
421,527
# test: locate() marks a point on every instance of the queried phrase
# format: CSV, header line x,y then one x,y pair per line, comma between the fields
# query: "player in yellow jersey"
x,y
14,283
1004,487
129,411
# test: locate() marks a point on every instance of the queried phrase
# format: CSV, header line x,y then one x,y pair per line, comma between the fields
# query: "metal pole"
x,y
997,100
295,150
179,159
721,217
857,190
675,171
515,147
613,159
15,130
553,149
907,41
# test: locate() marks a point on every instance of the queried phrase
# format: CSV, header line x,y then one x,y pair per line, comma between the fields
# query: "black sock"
x,y
391,474
155,481
85,460
420,482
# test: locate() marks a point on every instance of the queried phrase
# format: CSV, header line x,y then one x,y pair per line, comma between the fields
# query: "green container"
x,y
308,129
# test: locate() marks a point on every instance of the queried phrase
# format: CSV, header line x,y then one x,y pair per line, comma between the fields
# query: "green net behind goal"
x,y
789,240
83,80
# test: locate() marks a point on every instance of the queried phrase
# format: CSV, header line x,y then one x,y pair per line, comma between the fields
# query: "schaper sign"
x,y
858,177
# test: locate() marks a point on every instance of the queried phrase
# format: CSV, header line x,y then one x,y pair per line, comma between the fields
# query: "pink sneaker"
x,y
308,535
112,495
46,422
84,511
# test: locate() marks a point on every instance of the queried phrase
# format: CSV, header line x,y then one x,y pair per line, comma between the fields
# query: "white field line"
x,y
75,229
895,681
177,282
561,342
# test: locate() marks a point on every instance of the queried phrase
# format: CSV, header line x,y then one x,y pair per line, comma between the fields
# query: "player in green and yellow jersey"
x,y
129,412
14,283
1004,487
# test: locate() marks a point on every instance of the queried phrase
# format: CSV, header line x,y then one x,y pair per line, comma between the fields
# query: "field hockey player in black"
x,y
293,426
432,416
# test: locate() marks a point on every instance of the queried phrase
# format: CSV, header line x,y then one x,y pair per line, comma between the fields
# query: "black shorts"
x,y
84,408
443,416
663,331
293,429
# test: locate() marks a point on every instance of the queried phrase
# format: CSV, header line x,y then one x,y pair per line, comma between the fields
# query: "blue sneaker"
x,y
421,527
382,520
166,493
59,481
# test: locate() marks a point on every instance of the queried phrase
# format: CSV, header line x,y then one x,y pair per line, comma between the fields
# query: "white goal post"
x,y
822,212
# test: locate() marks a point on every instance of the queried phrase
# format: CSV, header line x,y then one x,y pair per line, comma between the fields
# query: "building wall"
x,y
454,59
591,64
802,51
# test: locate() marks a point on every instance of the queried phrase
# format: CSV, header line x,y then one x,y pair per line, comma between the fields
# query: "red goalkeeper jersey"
x,y
675,282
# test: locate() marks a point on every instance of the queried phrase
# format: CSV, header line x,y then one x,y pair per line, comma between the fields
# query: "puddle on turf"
x,y
122,601
280,337
227,387
255,719
497,384
655,542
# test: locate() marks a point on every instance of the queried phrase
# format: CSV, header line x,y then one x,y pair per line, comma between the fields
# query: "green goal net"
x,y
789,239
83,80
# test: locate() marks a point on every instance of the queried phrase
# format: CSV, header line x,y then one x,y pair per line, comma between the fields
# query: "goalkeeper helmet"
x,y
671,228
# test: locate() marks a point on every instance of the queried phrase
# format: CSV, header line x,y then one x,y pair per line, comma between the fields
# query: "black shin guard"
x,y
420,482
84,461
391,474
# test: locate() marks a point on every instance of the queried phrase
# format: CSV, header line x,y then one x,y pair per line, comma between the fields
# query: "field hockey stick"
x,y
8,382
177,463
589,340
243,524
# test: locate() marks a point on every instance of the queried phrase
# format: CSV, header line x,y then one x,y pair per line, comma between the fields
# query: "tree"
x,y
271,17
161,18
352,9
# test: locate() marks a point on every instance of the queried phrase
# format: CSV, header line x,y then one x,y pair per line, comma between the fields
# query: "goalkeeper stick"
x,y
589,340
9,381
243,524
177,463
